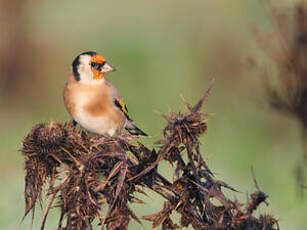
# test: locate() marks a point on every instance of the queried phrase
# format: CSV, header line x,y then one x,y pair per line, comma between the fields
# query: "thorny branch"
x,y
106,173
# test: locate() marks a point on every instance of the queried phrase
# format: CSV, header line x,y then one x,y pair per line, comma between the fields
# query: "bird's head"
x,y
90,67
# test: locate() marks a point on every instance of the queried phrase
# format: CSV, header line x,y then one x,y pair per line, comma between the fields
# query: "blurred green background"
x,y
162,50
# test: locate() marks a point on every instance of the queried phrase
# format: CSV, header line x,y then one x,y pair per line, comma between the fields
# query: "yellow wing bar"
x,y
121,105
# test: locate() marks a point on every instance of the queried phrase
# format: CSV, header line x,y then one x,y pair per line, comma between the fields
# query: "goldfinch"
x,y
92,101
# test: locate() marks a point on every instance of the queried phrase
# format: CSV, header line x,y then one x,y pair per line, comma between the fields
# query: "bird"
x,y
92,101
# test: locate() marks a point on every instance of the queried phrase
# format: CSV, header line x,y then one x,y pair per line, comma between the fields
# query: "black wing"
x,y
121,105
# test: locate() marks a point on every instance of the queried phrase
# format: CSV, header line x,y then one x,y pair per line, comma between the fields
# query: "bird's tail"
x,y
133,130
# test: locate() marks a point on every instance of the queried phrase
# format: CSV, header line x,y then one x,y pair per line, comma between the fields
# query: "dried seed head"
x,y
45,139
185,128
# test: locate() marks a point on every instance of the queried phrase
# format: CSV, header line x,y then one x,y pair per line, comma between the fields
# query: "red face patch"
x,y
98,58
97,74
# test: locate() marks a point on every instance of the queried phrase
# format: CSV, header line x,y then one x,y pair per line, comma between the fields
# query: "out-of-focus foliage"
x,y
162,49
289,51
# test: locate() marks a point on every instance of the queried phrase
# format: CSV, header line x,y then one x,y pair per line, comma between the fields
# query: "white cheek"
x,y
84,69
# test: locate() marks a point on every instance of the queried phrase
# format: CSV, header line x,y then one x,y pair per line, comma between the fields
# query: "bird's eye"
x,y
94,65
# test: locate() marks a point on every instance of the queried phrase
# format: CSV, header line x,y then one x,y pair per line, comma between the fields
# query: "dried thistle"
x,y
96,175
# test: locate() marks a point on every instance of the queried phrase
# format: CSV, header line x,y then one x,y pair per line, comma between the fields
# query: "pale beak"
x,y
107,68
